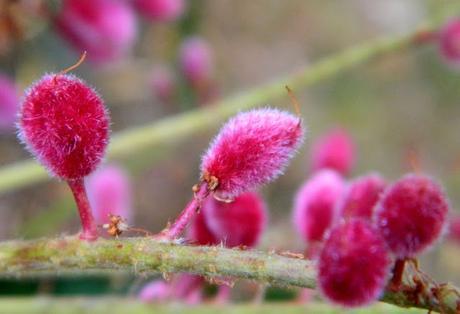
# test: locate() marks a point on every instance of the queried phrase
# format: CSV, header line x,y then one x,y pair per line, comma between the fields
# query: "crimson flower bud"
x,y
411,214
354,264
251,149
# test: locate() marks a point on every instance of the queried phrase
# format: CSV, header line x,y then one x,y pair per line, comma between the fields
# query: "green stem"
x,y
170,129
69,255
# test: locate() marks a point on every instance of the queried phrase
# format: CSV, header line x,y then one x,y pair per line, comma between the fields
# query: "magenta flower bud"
x,y
411,215
449,42
162,84
9,103
354,264
199,233
155,291
315,204
109,192
196,61
106,29
251,149
239,223
160,10
361,196
334,150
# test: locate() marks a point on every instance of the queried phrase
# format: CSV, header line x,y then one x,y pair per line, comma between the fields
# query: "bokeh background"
x,y
404,101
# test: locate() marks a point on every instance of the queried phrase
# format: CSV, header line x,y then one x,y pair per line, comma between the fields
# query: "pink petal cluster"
x,y
109,192
449,42
334,150
106,29
65,125
162,84
160,10
9,103
354,264
196,61
411,214
252,149
361,196
315,204
239,223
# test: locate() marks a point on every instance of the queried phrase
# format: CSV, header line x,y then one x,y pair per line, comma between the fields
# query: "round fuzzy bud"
x,y
196,62
106,29
354,264
65,125
334,150
315,204
160,10
449,42
162,84
155,291
9,102
109,192
361,196
239,223
251,149
411,214
454,229
199,233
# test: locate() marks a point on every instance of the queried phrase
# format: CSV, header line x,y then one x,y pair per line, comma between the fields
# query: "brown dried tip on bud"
x,y
116,226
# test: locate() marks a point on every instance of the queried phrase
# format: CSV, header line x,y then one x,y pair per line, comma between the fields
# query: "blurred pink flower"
x,y
449,42
109,192
160,10
196,61
155,291
334,150
106,29
9,103
162,83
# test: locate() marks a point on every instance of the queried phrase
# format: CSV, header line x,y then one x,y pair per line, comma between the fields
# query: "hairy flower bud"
x,y
315,204
334,150
411,214
106,29
361,196
65,125
354,264
251,149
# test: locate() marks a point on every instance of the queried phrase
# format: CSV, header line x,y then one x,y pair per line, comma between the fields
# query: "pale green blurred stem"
x,y
69,255
126,143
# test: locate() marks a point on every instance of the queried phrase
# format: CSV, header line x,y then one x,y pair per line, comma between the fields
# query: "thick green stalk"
x,y
69,255
168,130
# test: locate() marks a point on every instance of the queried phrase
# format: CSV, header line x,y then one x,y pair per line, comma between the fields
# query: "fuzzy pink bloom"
x,y
9,103
411,214
449,42
454,229
240,222
334,150
252,149
160,10
199,233
196,61
155,291
315,204
109,192
361,196
65,125
106,29
354,264
162,84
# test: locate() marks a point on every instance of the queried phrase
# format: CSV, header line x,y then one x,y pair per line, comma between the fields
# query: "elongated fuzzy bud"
x,y
251,149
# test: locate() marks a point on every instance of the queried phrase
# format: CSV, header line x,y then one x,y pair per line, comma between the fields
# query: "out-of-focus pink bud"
x,y
160,10
196,61
155,291
162,84
449,42
9,103
106,29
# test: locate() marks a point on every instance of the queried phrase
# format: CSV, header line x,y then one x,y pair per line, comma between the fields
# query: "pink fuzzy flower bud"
x,y
109,192
251,149
199,233
354,264
334,150
196,61
361,196
239,223
9,103
411,214
449,42
454,229
106,29
65,125
162,84
155,291
160,10
315,204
